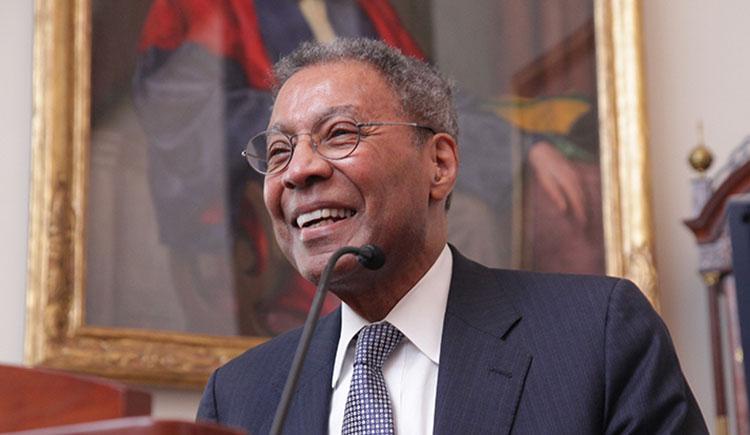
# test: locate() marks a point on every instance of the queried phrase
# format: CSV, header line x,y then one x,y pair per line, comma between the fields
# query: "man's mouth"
x,y
323,216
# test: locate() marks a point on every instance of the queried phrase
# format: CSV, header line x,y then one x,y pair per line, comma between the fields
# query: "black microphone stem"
x,y
304,342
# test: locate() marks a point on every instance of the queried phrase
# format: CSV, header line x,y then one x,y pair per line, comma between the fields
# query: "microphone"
x,y
370,257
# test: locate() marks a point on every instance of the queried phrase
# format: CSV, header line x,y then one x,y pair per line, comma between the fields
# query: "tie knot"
x,y
375,343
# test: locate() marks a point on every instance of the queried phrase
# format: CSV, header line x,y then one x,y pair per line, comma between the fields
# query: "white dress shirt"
x,y
411,371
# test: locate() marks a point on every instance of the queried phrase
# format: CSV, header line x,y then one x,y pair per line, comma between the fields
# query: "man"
x,y
361,149
201,91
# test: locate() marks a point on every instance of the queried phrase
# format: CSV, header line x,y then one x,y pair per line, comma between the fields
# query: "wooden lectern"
x,y
49,402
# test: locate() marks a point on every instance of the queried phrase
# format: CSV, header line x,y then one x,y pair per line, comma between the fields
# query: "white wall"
x,y
697,63
15,145
696,59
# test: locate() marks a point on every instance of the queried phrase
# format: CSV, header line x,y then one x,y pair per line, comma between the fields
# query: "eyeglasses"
x,y
271,151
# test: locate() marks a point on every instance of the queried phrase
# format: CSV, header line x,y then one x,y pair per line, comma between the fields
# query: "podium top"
x,y
136,426
35,398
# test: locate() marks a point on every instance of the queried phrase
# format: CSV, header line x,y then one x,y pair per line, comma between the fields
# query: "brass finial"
x,y
700,157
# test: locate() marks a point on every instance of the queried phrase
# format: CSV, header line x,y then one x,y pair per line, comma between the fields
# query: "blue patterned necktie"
x,y
368,407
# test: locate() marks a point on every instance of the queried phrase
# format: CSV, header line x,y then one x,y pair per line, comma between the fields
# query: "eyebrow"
x,y
344,109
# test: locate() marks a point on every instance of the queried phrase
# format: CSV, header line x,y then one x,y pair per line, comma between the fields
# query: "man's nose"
x,y
306,165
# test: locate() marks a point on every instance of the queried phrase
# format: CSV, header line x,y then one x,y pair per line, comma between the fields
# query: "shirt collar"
x,y
418,315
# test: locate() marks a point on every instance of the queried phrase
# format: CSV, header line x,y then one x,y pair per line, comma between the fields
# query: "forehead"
x,y
348,87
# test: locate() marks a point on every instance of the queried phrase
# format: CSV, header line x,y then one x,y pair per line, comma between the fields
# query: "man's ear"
x,y
445,165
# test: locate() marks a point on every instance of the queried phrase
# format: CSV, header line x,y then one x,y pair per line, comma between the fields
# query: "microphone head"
x,y
371,257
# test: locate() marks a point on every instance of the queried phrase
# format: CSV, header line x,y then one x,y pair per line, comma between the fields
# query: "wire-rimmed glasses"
x,y
270,152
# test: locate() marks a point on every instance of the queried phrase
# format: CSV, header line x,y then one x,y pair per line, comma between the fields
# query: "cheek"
x,y
415,178
272,198
403,194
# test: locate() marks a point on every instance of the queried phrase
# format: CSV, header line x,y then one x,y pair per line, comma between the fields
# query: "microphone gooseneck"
x,y
370,257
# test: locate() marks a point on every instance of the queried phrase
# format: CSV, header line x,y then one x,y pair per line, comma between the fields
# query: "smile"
x,y
323,216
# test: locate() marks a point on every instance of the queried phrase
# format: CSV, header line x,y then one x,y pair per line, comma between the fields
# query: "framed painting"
x,y
151,256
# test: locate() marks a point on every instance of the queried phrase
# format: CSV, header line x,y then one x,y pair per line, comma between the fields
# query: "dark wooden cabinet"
x,y
726,274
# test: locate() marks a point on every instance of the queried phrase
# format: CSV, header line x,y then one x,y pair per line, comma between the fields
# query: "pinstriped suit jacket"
x,y
522,353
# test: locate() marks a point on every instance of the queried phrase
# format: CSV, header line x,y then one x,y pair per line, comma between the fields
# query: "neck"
x,y
375,293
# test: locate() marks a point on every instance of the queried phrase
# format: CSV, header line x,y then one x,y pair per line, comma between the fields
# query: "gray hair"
x,y
425,94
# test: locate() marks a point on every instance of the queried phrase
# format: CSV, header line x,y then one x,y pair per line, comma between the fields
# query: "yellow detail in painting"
x,y
553,115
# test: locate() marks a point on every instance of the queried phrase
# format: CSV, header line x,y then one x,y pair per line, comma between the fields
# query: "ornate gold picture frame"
x,y
57,335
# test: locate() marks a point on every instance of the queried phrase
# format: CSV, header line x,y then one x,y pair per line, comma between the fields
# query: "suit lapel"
x,y
481,374
309,410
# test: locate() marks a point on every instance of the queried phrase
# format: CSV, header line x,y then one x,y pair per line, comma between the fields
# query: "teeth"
x,y
323,213
320,223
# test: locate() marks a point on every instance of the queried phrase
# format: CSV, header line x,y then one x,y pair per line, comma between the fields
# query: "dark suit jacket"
x,y
522,352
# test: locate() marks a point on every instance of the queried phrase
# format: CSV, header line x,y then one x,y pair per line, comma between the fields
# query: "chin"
x,y
309,271
346,268
312,268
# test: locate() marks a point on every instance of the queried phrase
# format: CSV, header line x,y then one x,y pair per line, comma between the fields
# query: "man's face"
x,y
380,194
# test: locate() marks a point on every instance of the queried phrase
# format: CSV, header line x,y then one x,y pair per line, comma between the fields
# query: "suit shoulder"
x,y
556,279
260,362
533,282
276,347
549,295
581,299
551,286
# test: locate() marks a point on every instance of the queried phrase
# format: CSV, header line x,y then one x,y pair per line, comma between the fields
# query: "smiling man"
x,y
361,149
385,183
